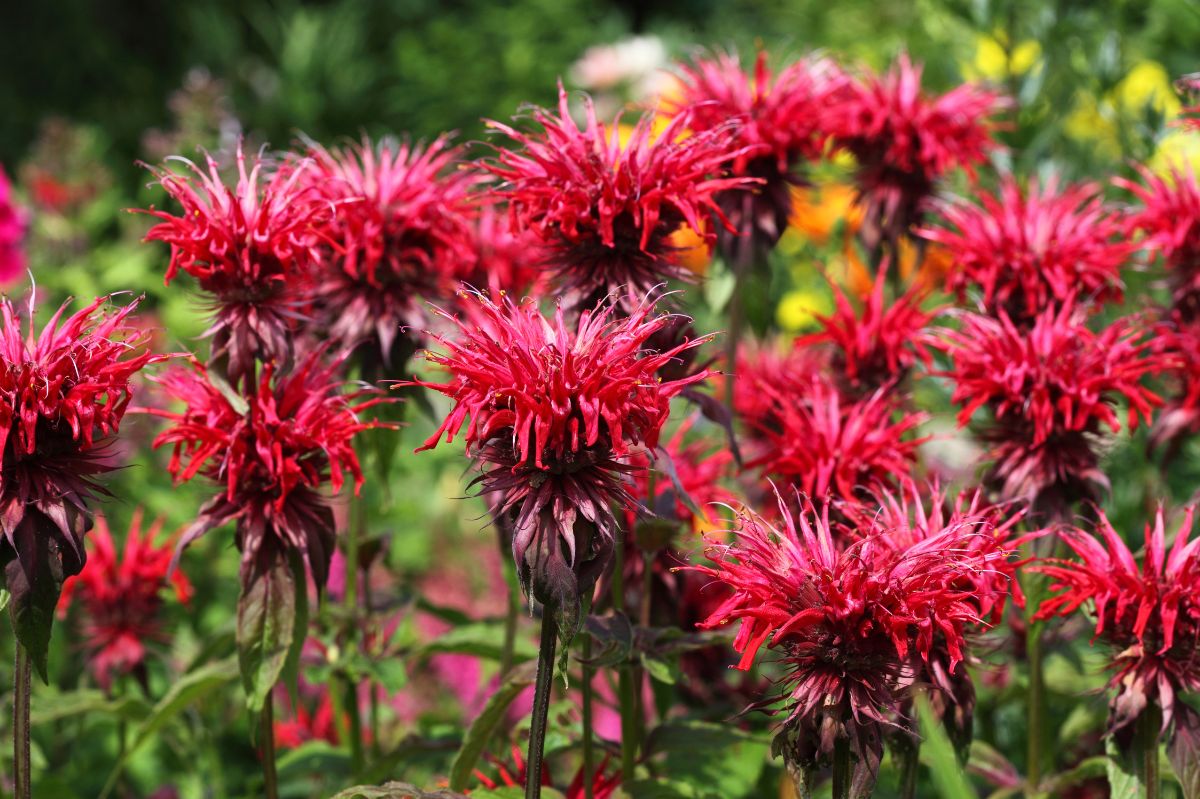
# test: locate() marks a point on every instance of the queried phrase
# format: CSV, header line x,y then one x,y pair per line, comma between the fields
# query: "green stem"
x,y
270,778
514,604
354,723
541,704
369,607
625,687
841,768
1036,707
1149,725
589,757
22,688
908,752
350,633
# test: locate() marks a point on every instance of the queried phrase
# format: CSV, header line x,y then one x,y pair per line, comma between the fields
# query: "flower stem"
x,y
908,752
354,723
270,779
514,604
841,768
1036,706
1149,724
22,688
625,690
355,531
589,757
541,704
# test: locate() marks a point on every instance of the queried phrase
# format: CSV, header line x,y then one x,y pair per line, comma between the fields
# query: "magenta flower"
x,y
904,142
403,234
122,598
552,413
252,248
604,211
1027,251
14,222
1180,415
62,397
1149,614
779,122
1051,391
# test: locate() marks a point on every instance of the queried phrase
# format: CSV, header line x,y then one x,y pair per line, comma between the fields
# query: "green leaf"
x,y
266,625
948,776
481,639
313,757
5,598
659,669
710,760
394,790
34,577
1122,779
658,789
291,665
189,688
1184,751
485,726
56,707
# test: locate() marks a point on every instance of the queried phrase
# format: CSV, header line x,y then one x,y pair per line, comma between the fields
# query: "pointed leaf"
x,y
1184,751
266,621
34,577
291,665
1122,777
947,774
484,727
57,707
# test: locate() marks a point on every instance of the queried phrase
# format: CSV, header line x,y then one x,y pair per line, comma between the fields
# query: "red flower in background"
x,y
252,247
1027,251
551,412
62,395
14,222
605,211
502,256
877,347
1169,219
1181,414
1051,391
904,141
778,119
698,468
403,233
851,621
603,785
1148,614
122,598
273,451
1189,87
826,445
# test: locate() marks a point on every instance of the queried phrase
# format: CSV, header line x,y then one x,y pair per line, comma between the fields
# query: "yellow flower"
x,y
1147,84
1179,149
992,63
799,309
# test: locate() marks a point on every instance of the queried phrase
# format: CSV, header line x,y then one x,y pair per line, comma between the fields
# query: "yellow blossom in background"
x,y
1147,84
991,63
817,211
1094,120
799,308
1179,149
692,252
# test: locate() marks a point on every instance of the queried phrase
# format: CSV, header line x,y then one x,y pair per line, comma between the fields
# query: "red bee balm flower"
x,y
1181,416
273,456
122,598
403,230
1051,391
1028,251
778,118
1149,614
904,141
604,211
1169,219
61,394
852,622
553,411
251,247
14,220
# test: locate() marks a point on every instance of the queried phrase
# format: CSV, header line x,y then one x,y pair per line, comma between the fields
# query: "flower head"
x,y
1051,390
1181,414
502,256
877,347
514,775
904,141
1169,220
1027,251
809,435
273,450
14,221
1148,614
403,233
851,620
251,247
62,397
122,597
553,412
779,122
604,211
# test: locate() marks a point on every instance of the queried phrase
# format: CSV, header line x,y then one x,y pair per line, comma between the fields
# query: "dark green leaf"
x,y
481,639
291,665
266,619
34,578
711,760
1184,751
56,707
484,727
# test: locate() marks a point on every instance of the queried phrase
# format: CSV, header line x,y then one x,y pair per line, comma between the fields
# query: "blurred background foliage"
x,y
93,86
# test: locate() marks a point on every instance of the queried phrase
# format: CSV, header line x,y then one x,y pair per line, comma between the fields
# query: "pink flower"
x,y
274,450
1148,614
403,233
1051,391
904,142
552,411
604,211
1027,251
14,222
1169,220
1181,414
251,247
779,122
122,598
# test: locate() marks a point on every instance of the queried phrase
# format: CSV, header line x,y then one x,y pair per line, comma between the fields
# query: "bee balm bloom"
x,y
1169,220
553,412
14,221
604,211
251,247
63,394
